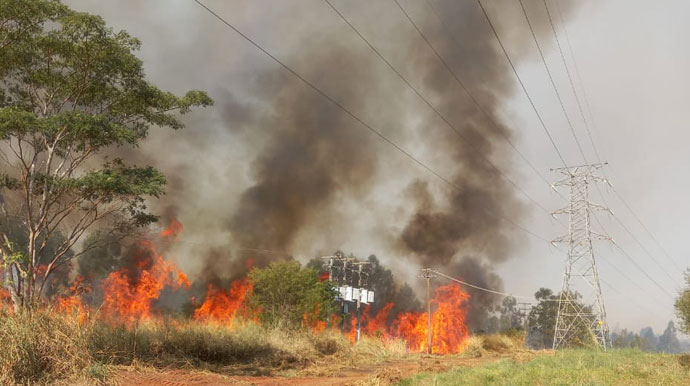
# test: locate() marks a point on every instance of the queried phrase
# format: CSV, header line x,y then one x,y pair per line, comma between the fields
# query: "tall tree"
x,y
668,341
541,321
509,316
71,88
648,339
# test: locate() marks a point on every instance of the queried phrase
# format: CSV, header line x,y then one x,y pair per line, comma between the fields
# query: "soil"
x,y
385,373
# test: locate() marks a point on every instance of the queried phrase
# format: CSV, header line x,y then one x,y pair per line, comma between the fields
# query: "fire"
x,y
5,299
220,306
377,325
448,323
129,296
73,303
372,326
173,230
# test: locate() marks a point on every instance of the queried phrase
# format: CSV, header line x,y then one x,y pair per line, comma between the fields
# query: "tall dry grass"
x,y
46,347
41,347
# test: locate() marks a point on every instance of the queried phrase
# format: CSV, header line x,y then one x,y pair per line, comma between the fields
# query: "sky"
x,y
631,56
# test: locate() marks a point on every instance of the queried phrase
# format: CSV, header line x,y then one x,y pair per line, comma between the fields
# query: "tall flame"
x,y
73,303
130,299
449,331
220,306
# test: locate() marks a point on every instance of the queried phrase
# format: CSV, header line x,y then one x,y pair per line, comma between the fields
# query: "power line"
x,y
589,134
480,288
476,102
553,83
627,256
356,118
625,203
567,117
432,107
522,84
530,298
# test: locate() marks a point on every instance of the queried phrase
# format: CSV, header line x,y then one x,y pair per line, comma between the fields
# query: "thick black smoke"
x,y
274,162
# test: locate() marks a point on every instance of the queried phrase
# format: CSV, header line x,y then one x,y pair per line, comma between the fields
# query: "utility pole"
x,y
586,313
350,290
428,275
360,273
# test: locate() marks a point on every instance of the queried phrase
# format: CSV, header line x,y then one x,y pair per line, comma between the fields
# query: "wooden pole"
x,y
428,311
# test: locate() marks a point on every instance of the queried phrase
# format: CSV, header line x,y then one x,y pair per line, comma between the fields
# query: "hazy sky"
x,y
633,58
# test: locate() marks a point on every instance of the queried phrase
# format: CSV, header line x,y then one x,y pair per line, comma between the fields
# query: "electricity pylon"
x,y
585,314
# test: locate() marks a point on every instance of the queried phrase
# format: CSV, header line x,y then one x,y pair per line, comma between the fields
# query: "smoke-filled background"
x,y
275,170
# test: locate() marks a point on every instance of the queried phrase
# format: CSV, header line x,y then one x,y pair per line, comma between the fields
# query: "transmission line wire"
x,y
589,134
553,83
505,52
522,84
356,118
530,298
433,108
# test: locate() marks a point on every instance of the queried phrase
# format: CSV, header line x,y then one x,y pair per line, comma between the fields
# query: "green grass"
x,y
568,367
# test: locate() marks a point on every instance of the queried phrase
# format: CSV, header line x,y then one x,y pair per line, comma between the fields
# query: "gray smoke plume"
x,y
318,180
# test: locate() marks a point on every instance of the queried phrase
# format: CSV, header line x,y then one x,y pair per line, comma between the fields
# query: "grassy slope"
x,y
569,367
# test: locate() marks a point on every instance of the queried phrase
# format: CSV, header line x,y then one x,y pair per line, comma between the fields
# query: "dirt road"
x,y
383,373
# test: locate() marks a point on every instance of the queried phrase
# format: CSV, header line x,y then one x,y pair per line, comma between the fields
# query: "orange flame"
x,y
130,299
5,300
220,306
173,230
449,331
73,304
377,325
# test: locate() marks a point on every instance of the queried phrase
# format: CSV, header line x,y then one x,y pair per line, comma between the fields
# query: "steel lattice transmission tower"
x,y
581,308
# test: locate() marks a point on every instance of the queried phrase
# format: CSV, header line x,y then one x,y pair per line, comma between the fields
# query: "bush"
x,y
288,295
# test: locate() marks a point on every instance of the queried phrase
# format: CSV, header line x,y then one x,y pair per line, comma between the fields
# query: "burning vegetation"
x,y
130,295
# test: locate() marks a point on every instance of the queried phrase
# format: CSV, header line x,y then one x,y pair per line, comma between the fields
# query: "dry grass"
x,y
47,348
42,348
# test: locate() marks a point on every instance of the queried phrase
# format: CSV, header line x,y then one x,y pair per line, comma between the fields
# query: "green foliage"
x,y
285,293
102,256
542,321
682,305
567,367
71,88
668,341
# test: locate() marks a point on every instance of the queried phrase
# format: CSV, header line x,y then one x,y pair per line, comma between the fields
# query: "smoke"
x,y
317,179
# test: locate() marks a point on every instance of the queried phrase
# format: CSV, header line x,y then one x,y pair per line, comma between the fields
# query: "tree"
x,y
625,339
542,321
648,339
70,89
509,316
682,305
285,293
668,341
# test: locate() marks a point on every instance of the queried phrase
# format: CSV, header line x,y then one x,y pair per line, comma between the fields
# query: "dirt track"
x,y
386,373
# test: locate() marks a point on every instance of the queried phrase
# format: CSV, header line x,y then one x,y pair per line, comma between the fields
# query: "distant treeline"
x,y
646,340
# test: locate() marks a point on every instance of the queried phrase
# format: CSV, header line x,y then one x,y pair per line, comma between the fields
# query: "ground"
x,y
569,367
384,373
